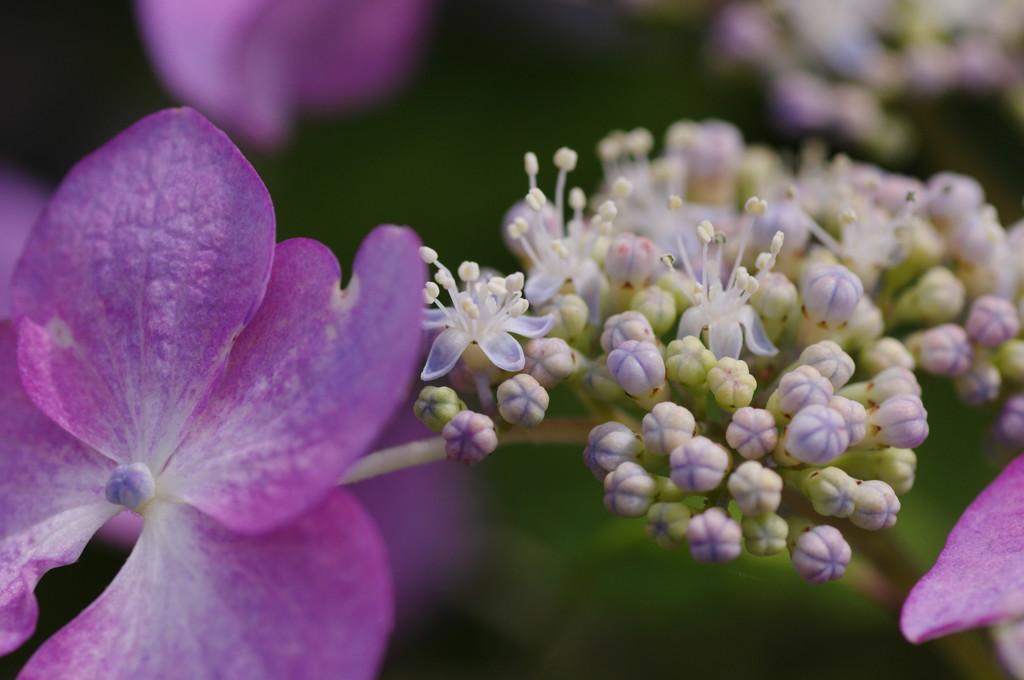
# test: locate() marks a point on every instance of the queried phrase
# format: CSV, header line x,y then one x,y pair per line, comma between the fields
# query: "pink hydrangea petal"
x,y
51,499
978,579
311,382
195,600
150,259
252,63
21,201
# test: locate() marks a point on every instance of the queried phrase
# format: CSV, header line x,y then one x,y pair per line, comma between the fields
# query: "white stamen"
x,y
577,199
531,164
622,188
428,255
565,159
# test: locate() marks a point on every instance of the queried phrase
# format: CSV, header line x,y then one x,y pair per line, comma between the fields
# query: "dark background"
x,y
562,589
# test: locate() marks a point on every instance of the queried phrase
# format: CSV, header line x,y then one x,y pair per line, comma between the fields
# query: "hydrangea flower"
x,y
483,316
978,579
251,65
176,363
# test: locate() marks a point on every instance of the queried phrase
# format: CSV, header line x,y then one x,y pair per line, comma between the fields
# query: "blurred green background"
x,y
562,589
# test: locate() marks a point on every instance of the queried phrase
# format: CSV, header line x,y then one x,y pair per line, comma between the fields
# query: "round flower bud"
x,y
937,297
830,294
765,535
885,353
658,306
855,415
775,300
626,326
992,321
608,446
549,360
570,313
899,421
821,554
980,385
755,488
522,401
944,350
469,437
436,406
631,260
666,524
1009,359
629,490
831,491
951,198
1009,426
599,384
802,387
875,506
637,367
699,465
667,427
830,361
816,435
687,362
714,536
752,432
731,383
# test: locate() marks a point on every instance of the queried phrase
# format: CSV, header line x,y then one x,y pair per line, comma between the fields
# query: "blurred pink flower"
x,y
253,65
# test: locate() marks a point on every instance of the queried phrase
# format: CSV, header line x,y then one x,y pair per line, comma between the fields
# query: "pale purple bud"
x,y
830,361
893,189
832,491
992,321
522,400
1009,426
629,325
875,506
785,216
855,415
816,435
714,536
629,490
755,488
667,427
765,535
699,465
666,524
980,385
715,151
951,198
549,360
608,446
752,432
821,554
744,32
830,294
801,102
637,367
469,437
802,387
899,421
631,260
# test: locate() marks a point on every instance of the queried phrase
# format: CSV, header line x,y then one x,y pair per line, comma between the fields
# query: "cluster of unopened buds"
x,y
749,363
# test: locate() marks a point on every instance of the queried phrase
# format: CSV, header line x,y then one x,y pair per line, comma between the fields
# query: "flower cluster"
x,y
750,362
840,67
